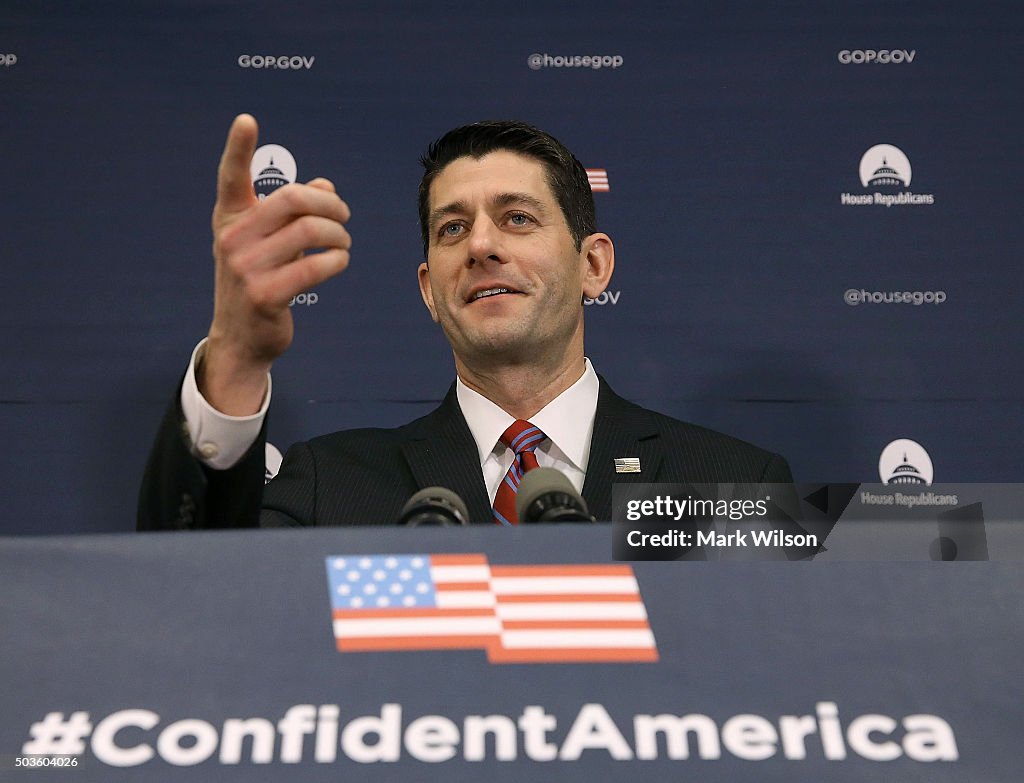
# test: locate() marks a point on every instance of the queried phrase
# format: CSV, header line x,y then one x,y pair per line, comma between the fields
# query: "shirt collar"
x,y
568,420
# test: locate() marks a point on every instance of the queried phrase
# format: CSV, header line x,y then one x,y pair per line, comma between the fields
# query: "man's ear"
x,y
425,291
598,254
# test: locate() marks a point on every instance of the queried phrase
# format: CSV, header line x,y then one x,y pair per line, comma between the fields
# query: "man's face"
x,y
503,276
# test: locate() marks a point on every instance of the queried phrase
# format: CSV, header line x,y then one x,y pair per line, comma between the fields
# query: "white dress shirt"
x,y
219,440
568,422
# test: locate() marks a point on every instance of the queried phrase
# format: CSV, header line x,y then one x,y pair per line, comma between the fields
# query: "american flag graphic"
x,y
517,613
598,180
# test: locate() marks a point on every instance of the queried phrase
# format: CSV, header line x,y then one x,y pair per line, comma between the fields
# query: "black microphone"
x,y
434,506
546,495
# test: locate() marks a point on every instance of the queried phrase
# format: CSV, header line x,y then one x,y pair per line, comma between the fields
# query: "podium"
x,y
237,656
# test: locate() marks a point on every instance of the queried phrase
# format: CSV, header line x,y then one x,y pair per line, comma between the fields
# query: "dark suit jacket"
x,y
365,476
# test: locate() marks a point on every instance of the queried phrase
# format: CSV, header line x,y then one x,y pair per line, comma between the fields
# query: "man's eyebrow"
x,y
499,200
453,208
510,199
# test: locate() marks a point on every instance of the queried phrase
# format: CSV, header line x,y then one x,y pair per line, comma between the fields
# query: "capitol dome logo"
x,y
885,166
272,166
905,461
885,171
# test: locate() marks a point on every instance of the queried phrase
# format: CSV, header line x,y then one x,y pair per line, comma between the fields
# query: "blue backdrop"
x,y
739,139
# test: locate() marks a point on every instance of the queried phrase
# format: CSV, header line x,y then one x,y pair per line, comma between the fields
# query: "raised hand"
x,y
259,249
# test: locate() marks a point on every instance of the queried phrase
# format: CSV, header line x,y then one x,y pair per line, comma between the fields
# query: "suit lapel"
x,y
621,429
441,452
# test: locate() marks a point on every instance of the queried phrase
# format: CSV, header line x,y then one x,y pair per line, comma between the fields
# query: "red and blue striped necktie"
x,y
522,437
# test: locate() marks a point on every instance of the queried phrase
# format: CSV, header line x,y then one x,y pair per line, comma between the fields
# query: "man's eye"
x,y
451,230
518,219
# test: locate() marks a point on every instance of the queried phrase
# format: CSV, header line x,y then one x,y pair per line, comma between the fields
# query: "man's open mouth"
x,y
487,292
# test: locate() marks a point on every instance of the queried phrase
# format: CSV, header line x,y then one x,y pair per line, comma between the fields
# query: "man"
x,y
511,249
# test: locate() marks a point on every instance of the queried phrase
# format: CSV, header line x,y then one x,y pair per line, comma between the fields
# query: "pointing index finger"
x,y
234,181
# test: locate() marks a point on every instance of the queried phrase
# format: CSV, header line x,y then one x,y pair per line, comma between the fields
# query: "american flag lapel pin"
x,y
627,465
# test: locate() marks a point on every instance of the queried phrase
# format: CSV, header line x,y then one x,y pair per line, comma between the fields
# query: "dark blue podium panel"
x,y
492,654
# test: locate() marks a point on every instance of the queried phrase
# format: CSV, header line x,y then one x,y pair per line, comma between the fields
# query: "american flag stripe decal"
x,y
516,613
598,179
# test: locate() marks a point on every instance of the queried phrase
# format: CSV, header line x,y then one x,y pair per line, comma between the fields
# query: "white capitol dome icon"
x,y
885,166
272,166
905,461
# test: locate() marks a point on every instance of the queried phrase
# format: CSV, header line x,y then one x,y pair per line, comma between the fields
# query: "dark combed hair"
x,y
566,175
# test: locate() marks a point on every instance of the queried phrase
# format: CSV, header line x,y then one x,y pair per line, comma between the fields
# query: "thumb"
x,y
234,180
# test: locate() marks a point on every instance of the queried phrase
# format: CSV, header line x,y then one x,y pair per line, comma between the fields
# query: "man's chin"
x,y
507,346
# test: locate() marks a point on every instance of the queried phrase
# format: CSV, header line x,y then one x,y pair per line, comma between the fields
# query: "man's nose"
x,y
484,242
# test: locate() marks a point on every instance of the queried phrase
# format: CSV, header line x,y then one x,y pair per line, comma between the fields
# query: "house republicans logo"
x,y
905,461
885,170
272,166
885,166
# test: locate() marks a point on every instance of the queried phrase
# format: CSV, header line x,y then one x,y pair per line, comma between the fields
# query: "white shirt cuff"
x,y
218,440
